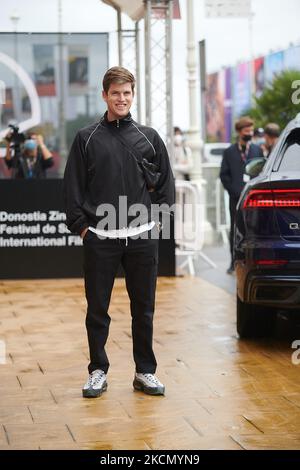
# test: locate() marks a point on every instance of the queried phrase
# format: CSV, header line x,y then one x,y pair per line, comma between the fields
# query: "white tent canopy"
x,y
135,9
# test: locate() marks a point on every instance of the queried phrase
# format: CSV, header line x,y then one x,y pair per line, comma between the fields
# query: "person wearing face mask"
x,y
182,156
232,173
33,161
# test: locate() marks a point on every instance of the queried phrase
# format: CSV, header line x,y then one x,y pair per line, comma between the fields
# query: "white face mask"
x,y
178,140
261,141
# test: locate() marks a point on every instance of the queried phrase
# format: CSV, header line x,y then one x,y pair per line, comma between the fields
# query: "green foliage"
x,y
275,104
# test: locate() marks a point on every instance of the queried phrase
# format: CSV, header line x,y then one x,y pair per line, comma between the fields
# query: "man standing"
x,y
107,165
232,172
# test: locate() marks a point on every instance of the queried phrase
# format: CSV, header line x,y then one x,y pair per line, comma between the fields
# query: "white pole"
x,y
16,97
169,80
194,136
61,103
251,48
194,140
148,74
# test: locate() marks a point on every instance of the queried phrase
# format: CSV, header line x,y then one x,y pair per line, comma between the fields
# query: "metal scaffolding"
x,y
157,15
158,68
129,57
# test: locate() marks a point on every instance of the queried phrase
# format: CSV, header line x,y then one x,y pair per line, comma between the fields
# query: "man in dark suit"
x,y
232,172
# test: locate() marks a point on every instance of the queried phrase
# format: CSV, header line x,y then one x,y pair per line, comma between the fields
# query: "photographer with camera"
x,y
30,158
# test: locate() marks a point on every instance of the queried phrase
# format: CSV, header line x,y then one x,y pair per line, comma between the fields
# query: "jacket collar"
x,y
118,122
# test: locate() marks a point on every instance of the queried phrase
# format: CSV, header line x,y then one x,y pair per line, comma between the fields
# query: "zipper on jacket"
x,y
122,166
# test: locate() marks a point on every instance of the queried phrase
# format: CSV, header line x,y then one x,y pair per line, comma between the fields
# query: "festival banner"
x,y
259,76
215,118
242,89
228,104
273,66
291,58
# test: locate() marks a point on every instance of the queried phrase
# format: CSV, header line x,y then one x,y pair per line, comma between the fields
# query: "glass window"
x,y
52,83
291,158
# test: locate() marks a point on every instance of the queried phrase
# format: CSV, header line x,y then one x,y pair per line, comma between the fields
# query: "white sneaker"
x,y
95,385
149,384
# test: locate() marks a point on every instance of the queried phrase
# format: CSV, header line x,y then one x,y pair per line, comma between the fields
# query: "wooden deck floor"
x,y
221,393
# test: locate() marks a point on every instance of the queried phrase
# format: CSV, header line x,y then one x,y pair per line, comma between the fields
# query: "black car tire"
x,y
254,321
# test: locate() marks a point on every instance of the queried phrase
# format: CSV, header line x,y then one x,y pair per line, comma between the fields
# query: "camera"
x,y
15,137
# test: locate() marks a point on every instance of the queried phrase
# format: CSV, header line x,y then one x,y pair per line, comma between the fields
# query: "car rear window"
x,y
291,156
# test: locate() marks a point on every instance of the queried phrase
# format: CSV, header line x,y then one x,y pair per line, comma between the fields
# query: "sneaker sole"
x,y
90,393
148,390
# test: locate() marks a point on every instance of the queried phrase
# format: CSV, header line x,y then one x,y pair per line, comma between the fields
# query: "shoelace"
x,y
152,378
90,381
96,378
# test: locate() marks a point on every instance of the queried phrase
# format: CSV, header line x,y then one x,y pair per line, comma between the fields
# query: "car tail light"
x,y
287,198
260,198
271,262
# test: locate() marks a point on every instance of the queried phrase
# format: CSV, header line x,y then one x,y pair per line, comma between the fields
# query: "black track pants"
x,y
101,262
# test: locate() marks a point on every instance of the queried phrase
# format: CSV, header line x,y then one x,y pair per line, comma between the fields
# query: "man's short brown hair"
x,y
244,121
272,130
117,75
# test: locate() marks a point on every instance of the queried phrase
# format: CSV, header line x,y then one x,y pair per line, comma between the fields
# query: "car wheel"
x,y
254,321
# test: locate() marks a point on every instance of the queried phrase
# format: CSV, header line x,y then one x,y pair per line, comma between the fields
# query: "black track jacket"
x,y
100,168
